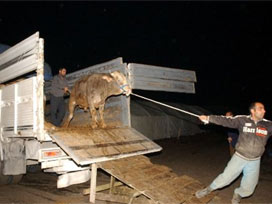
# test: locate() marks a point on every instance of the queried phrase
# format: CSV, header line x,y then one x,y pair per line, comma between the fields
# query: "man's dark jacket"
x,y
252,135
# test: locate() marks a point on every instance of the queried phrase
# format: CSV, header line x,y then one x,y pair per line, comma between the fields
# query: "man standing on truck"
x,y
57,104
254,132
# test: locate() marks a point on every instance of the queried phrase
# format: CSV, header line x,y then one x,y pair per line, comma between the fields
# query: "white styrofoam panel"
x,y
157,72
21,114
22,133
7,117
162,85
22,67
105,66
25,87
20,49
8,93
25,107
25,114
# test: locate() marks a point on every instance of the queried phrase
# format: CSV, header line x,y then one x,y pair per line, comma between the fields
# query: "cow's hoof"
x,y
103,125
94,126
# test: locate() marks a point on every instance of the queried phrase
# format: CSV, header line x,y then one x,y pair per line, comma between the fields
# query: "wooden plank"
x,y
181,181
125,165
93,183
87,145
102,143
140,176
130,142
112,198
123,199
102,187
112,184
156,182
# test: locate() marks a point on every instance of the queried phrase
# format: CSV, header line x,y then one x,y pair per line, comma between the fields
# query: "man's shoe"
x,y
236,199
203,192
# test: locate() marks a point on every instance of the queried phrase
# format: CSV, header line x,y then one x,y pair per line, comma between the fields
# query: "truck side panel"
x,y
155,78
21,104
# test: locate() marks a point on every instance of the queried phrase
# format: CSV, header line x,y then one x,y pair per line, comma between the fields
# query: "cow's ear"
x,y
107,78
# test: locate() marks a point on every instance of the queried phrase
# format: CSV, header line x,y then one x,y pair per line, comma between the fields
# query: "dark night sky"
x,y
228,44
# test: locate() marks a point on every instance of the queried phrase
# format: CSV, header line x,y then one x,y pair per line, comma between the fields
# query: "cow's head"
x,y
122,82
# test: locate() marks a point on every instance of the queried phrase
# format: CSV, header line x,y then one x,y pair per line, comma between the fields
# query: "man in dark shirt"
x,y
57,105
232,136
254,132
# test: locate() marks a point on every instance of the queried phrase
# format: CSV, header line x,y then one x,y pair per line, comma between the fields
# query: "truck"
x,y
27,138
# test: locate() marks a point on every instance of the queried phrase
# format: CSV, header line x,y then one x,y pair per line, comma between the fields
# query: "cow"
x,y
92,91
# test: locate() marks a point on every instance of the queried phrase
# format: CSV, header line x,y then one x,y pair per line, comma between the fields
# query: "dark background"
x,y
228,44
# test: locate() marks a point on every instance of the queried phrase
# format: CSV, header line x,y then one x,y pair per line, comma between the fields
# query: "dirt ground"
x,y
202,157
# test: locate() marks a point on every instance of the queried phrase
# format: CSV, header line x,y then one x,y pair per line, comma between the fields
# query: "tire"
x,y
35,168
9,179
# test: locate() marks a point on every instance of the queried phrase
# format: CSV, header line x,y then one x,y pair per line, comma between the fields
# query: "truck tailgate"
x,y
86,145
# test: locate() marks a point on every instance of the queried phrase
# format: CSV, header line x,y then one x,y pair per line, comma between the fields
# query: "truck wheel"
x,y
8,179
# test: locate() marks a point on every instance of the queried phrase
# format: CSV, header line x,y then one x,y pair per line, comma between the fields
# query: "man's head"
x,y
229,113
257,111
62,72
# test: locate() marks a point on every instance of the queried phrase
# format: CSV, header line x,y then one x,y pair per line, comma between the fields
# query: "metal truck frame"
x,y
24,140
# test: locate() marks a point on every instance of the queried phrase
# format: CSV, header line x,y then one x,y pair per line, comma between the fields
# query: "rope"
x,y
163,104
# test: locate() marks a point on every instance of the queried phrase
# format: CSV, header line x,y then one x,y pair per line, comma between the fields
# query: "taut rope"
x,y
163,104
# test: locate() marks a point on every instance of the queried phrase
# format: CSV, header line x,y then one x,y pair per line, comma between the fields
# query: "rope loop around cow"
x,y
123,86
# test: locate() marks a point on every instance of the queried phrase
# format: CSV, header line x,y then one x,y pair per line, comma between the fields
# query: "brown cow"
x,y
91,92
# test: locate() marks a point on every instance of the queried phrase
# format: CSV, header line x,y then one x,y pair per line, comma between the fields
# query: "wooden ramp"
x,y
119,152
86,146
156,182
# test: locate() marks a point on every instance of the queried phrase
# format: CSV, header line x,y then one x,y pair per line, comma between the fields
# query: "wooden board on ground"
x,y
87,146
157,182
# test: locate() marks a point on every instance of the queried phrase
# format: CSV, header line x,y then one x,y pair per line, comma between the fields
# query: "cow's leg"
x,y
72,105
93,116
101,113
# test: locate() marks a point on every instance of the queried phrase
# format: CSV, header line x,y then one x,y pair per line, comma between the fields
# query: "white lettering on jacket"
x,y
246,129
260,131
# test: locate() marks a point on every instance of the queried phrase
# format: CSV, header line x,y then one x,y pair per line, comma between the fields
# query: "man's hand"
x,y
229,139
204,119
66,90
